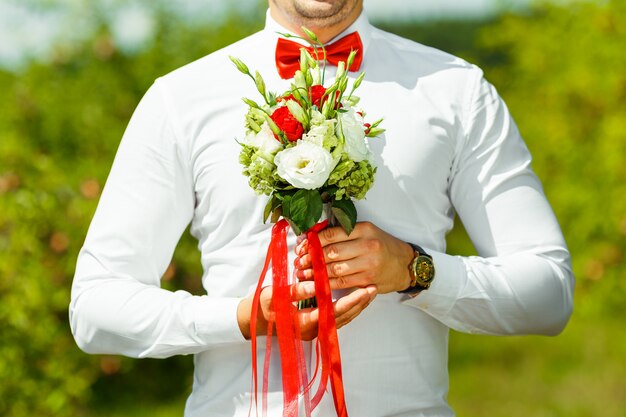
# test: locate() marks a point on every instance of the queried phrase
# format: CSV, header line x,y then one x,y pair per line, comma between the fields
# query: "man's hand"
x,y
346,309
369,256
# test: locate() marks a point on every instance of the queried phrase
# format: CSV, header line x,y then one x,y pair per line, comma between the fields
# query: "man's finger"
x,y
303,261
302,245
347,308
337,234
304,274
359,264
332,235
302,290
358,280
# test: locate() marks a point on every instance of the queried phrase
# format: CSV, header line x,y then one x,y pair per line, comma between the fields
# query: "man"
x,y
450,146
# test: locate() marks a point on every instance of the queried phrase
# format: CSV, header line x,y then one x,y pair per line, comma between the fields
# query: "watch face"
x,y
424,270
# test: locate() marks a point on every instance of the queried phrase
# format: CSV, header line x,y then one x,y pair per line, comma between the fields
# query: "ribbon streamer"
x,y
284,316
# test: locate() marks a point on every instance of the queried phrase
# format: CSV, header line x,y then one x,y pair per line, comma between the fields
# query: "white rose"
x,y
305,165
264,140
351,124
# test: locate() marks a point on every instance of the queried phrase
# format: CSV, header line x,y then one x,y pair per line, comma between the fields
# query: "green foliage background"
x,y
562,71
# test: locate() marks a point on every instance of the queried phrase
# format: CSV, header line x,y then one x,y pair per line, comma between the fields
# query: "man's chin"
x,y
320,9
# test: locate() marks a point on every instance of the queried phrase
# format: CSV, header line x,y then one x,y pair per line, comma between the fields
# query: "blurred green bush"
x,y
561,69
60,125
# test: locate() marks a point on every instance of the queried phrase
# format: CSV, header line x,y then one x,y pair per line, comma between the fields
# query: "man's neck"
x,y
323,32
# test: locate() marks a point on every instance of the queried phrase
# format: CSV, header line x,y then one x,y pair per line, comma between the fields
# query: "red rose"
x,y
287,123
315,94
285,98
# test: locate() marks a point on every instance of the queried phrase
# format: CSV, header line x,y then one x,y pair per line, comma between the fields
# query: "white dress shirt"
x,y
450,146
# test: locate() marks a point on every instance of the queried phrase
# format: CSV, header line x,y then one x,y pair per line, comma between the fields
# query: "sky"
x,y
24,33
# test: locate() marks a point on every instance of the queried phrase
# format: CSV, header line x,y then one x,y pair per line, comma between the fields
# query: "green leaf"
x,y
305,209
345,212
270,207
294,226
286,205
278,211
329,193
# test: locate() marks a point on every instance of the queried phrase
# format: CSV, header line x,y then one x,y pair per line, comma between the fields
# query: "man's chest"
x,y
413,158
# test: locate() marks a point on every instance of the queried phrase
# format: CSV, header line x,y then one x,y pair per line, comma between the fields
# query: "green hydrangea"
x,y
353,179
260,171
254,119
245,156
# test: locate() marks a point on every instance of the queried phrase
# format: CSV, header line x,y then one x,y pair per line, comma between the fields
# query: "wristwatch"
x,y
422,272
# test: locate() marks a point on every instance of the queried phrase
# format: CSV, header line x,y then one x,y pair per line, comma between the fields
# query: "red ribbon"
x,y
288,54
284,315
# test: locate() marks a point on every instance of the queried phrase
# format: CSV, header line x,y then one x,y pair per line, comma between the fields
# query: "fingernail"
x,y
308,288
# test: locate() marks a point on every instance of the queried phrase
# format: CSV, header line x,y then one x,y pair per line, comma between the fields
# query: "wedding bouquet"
x,y
306,149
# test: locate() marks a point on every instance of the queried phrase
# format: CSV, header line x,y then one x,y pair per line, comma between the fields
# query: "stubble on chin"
x,y
322,14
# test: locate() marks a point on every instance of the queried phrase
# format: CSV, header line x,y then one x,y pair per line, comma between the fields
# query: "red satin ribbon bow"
x,y
296,383
288,54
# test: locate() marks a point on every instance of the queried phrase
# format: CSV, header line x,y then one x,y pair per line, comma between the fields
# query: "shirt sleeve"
x,y
117,305
522,281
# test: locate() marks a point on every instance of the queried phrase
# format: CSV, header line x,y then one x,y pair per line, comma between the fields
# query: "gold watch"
x,y
421,270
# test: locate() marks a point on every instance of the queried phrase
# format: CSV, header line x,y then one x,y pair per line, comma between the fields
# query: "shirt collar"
x,y
360,25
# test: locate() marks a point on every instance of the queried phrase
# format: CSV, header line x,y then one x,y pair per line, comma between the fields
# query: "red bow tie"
x,y
288,54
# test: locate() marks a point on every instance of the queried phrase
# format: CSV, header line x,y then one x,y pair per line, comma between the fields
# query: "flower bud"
x,y
341,69
308,78
260,84
240,65
310,34
251,103
351,59
273,126
304,61
358,81
377,122
296,93
353,100
316,74
375,131
298,112
343,84
331,97
300,80
327,108
305,55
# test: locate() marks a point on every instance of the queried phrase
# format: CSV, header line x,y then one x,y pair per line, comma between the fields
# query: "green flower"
x,y
352,179
259,169
254,119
